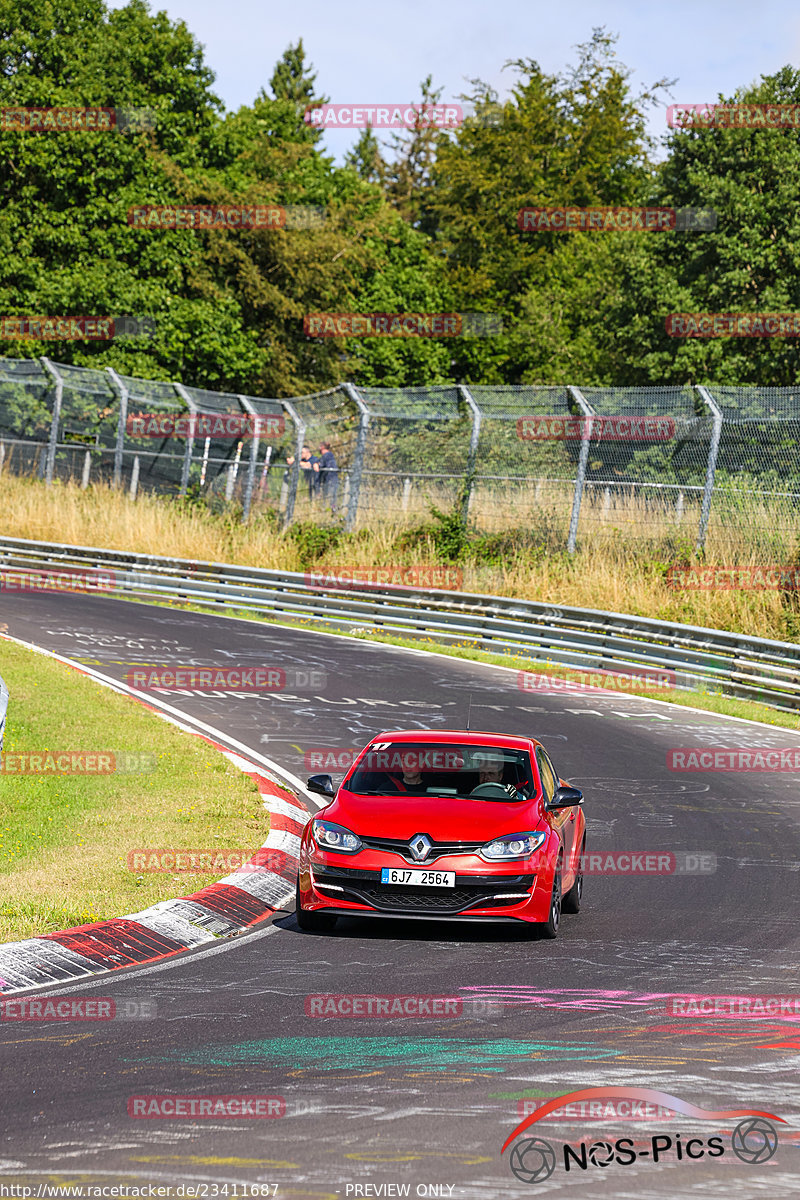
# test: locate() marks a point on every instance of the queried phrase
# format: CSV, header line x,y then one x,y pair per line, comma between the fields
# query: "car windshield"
x,y
443,769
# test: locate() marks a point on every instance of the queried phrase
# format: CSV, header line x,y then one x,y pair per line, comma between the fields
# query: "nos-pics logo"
x,y
754,1139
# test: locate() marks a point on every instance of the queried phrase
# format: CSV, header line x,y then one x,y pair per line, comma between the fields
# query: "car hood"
x,y
443,819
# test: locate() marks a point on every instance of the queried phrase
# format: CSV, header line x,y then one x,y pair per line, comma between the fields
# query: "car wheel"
x,y
549,928
572,901
311,922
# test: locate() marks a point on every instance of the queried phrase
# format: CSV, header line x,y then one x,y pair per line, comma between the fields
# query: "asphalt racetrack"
x,y
421,1106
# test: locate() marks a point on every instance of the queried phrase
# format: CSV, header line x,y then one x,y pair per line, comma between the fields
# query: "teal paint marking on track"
x,y
421,1054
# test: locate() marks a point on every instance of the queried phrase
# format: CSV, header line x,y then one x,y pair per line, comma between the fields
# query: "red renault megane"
x,y
445,825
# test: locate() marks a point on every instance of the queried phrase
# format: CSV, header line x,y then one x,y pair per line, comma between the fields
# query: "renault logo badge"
x,y
420,846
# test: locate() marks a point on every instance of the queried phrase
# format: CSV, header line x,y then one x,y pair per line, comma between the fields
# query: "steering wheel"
x,y
495,791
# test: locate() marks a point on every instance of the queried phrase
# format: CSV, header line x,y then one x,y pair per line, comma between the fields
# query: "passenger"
x,y
410,781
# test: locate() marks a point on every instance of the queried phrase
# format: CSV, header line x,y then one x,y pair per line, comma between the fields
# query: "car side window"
x,y
549,780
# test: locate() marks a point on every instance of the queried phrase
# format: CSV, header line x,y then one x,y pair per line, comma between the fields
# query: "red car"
x,y
445,825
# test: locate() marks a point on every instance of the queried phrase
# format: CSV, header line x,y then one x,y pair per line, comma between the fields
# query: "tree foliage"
x,y
425,224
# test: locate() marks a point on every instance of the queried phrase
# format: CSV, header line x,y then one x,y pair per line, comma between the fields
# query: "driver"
x,y
490,767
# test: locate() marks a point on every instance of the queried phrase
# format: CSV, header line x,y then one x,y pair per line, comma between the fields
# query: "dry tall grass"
x,y
619,565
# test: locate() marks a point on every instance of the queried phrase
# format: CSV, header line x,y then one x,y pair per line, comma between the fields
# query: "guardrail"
x,y
729,663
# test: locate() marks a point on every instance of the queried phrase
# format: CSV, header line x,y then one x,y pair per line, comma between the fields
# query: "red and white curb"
x,y
249,895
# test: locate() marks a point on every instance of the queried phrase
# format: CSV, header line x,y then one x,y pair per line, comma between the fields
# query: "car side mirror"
x,y
565,797
321,784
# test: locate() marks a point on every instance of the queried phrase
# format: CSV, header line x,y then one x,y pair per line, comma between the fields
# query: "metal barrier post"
x,y
711,469
580,479
357,469
187,458
122,392
294,476
477,417
59,394
247,499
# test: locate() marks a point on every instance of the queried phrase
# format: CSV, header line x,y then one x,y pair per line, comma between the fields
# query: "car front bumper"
x,y
508,895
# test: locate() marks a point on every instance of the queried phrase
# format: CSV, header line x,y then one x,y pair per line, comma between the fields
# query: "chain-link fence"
x,y
565,461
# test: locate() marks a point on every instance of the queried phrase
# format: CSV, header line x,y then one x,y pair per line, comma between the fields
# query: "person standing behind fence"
x,y
309,465
328,475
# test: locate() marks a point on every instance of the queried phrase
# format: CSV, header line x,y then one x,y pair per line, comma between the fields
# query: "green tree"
x,y
410,175
366,158
750,262
576,139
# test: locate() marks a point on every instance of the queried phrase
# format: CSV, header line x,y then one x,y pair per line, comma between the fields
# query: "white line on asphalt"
x,y
610,693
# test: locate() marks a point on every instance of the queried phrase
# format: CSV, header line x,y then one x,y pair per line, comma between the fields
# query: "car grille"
x,y
438,849
450,900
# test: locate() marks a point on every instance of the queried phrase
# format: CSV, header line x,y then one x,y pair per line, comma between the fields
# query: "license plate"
x,y
441,879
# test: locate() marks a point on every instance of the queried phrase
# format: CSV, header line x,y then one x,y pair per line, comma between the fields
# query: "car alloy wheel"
x,y
549,927
571,903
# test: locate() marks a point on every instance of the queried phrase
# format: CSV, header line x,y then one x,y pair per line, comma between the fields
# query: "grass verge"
x,y
65,840
624,570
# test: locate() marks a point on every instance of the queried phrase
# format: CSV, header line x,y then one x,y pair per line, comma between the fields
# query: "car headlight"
x,y
330,836
515,845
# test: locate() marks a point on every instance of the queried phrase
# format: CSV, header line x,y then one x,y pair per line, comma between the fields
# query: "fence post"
x,y
51,446
135,477
477,417
250,483
233,471
294,475
187,458
711,469
204,465
580,479
357,468
121,390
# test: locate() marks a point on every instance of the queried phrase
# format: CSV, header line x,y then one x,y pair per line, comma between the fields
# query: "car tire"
x,y
549,928
312,922
571,903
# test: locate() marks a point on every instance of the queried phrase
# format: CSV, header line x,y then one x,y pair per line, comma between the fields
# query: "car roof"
x,y
458,735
